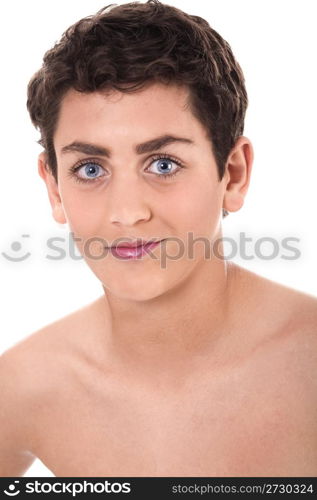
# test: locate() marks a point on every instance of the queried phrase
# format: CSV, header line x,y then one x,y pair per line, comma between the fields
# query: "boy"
x,y
187,365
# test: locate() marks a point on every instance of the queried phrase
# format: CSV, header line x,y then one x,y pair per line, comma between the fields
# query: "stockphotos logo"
x,y
245,247
70,488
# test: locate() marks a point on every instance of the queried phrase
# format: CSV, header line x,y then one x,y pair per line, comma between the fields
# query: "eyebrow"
x,y
144,147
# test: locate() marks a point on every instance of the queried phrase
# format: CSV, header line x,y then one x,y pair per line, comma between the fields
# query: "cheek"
x,y
83,220
82,212
198,206
82,216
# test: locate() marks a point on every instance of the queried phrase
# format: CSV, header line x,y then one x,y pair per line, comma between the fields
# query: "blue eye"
x,y
165,163
89,168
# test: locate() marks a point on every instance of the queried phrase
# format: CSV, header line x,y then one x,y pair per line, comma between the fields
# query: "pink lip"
x,y
133,244
133,252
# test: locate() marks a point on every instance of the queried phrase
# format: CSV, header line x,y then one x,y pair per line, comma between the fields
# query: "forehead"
x,y
158,109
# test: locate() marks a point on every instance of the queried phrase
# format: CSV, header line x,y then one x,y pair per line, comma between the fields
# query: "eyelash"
x,y
82,163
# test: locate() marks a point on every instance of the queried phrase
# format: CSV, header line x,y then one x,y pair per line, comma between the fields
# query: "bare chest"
x,y
244,424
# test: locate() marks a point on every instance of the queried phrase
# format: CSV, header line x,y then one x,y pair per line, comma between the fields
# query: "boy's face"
x,y
127,200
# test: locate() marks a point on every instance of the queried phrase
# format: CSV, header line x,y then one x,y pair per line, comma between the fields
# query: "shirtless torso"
x,y
253,414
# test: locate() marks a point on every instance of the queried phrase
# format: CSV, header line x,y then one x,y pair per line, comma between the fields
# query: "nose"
x,y
126,203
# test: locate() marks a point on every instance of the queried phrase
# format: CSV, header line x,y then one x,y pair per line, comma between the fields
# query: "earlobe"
x,y
58,213
52,189
238,174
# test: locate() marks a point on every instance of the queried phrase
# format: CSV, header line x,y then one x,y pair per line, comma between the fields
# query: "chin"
x,y
136,290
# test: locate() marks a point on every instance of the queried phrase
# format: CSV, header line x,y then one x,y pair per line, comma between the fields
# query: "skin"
x,y
178,371
150,298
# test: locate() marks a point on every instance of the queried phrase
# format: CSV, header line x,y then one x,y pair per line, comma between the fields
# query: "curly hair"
x,y
125,47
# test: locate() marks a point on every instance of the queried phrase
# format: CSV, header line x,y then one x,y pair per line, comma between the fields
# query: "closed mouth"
x,y
136,244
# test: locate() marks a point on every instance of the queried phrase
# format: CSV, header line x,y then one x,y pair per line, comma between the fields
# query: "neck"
x,y
179,326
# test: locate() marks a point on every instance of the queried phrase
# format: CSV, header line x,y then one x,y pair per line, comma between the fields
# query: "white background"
x,y
275,43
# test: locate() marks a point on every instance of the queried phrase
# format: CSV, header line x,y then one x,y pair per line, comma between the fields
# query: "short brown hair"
x,y
125,47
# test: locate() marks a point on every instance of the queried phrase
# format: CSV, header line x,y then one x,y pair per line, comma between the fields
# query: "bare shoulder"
x,y
33,374
293,307
62,332
286,316
36,364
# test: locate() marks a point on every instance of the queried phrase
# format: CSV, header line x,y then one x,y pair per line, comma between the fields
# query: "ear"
x,y
237,174
52,189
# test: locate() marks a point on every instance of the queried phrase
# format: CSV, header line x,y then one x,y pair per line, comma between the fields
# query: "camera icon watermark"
x,y
12,489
